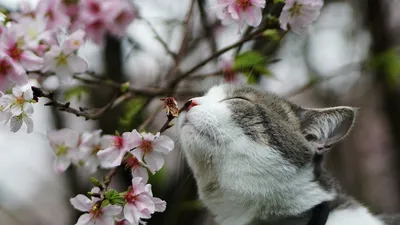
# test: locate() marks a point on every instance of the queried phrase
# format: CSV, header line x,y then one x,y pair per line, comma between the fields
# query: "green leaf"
x,y
105,203
251,64
111,194
248,60
77,91
389,63
279,1
272,34
95,182
130,111
125,87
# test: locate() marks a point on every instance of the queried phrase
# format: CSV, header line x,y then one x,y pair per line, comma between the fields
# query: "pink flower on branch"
x,y
11,45
53,11
299,14
151,148
10,70
113,155
241,11
64,142
63,60
96,213
138,169
140,202
90,145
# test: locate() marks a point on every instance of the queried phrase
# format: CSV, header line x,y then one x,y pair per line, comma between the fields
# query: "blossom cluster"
x,y
16,108
296,14
46,39
112,208
138,152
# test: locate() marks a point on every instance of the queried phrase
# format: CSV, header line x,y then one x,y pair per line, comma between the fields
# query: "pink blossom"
x,y
94,15
299,14
64,142
12,71
113,155
33,31
241,11
63,62
152,147
52,11
120,15
90,145
10,45
139,202
25,10
17,108
74,41
138,168
96,213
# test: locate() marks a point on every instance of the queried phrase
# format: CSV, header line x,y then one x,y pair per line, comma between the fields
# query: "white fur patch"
x,y
353,216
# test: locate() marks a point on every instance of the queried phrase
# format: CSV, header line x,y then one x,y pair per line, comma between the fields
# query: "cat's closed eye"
x,y
236,98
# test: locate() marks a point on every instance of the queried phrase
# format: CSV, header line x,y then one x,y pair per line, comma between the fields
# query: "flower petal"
x,y
154,161
61,164
110,157
84,219
81,203
131,214
15,124
17,91
140,172
28,108
16,109
253,16
29,123
159,204
163,144
144,202
77,64
30,61
112,210
28,94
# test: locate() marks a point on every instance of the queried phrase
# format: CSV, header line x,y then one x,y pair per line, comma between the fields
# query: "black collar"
x,y
320,214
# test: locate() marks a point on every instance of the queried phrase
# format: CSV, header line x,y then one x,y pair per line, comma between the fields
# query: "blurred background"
x,y
348,57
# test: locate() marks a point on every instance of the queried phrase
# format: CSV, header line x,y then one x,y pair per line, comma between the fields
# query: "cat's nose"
x,y
192,104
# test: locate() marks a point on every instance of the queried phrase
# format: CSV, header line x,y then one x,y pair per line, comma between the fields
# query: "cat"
x,y
257,159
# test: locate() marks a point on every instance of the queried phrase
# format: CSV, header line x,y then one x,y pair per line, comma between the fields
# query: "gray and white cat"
x,y
257,158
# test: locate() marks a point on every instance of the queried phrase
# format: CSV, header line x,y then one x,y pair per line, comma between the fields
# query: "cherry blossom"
x,y
299,14
90,145
96,213
139,202
74,41
151,147
11,45
63,61
113,155
52,10
120,15
17,108
64,142
33,31
10,71
138,168
241,11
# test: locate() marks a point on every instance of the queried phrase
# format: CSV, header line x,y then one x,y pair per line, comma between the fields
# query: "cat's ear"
x,y
325,127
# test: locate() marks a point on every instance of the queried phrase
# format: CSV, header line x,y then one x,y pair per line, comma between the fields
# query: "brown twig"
x,y
159,39
38,93
167,124
249,37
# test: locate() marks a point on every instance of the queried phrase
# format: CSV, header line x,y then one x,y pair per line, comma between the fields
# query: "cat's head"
x,y
237,120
